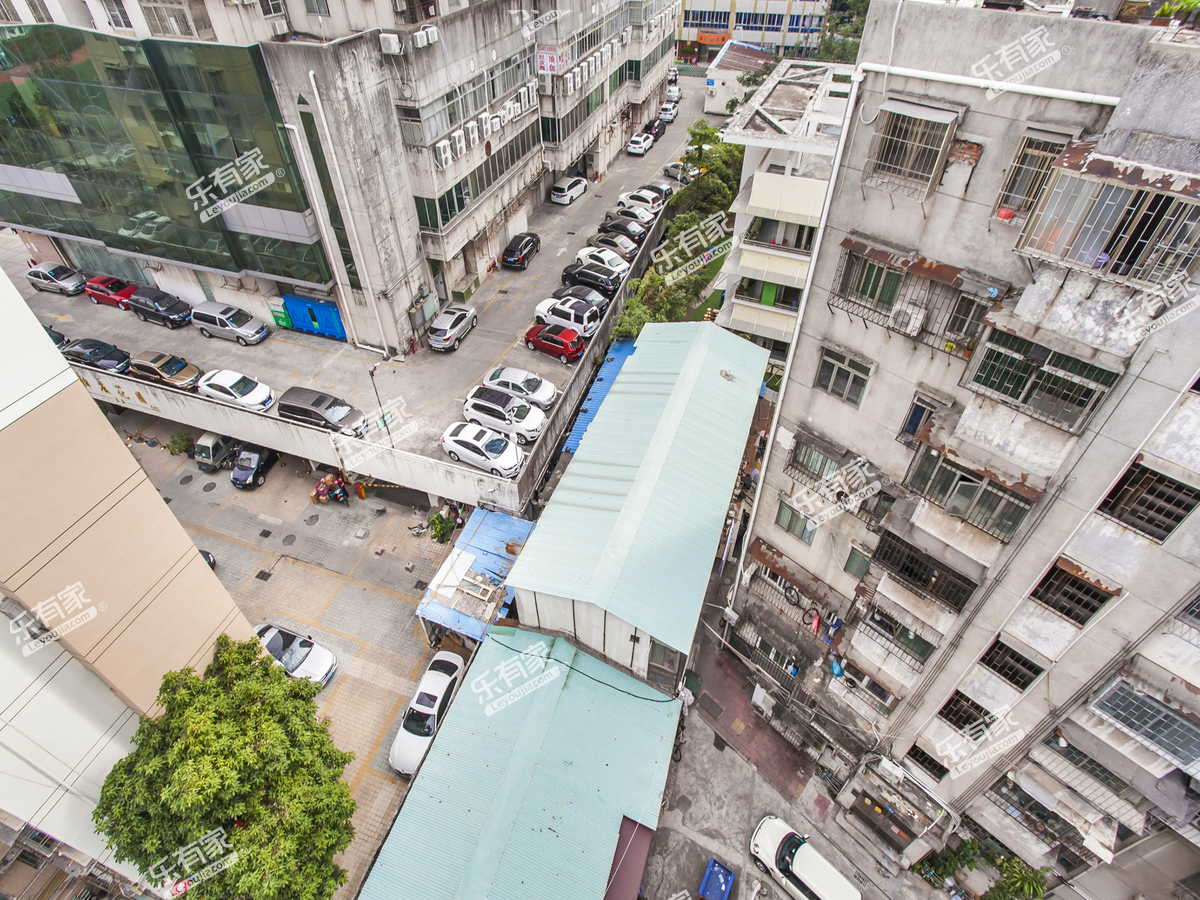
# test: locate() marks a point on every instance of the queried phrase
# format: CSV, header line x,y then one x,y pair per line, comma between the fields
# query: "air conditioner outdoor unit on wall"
x,y
280,26
420,39
442,152
545,85
431,30
388,43
605,55
486,123
458,140
569,83
908,320
472,134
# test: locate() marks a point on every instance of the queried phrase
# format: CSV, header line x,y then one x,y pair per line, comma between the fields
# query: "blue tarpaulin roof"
x,y
615,358
487,546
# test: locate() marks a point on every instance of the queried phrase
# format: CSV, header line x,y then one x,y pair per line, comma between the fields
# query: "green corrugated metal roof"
x,y
526,803
634,524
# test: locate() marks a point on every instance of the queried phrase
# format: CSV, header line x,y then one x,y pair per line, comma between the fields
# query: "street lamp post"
x,y
382,414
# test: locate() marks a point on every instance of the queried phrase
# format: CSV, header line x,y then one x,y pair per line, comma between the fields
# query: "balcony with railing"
x,y
922,573
773,234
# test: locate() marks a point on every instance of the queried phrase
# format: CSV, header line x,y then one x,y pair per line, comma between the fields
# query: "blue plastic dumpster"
x,y
314,316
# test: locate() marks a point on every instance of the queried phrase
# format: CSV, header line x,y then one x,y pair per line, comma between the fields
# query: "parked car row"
x,y
656,127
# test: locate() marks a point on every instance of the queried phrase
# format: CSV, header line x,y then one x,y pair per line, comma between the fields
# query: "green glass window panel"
x,y
335,215
768,294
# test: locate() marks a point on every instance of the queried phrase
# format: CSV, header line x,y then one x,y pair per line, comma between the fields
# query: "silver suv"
x,y
504,413
451,326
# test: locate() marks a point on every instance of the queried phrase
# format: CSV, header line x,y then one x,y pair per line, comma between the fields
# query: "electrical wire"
x,y
891,50
659,699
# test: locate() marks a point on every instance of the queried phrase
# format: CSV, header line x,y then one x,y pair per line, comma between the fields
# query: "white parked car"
x,y
504,413
578,315
639,144
526,385
226,384
567,189
425,712
652,203
300,655
482,448
667,113
604,257
796,865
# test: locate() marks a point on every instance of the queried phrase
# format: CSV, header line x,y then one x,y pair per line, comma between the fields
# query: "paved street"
x,y
433,384
349,576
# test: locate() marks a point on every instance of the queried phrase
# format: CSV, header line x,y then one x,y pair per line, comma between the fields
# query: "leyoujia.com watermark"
x,y
390,423
837,493
1017,62
529,664
247,175
68,605
688,243
1001,733
208,851
1152,302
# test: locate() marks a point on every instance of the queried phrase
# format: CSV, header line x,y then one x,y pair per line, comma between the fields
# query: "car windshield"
x,y
240,319
495,447
289,649
787,852
172,366
418,723
243,386
532,383
116,285
444,666
519,412
247,460
634,227
60,272
337,412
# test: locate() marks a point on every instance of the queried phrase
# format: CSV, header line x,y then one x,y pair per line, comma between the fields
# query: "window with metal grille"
x,y
1026,176
871,283
914,649
857,563
40,838
1150,721
40,13
795,523
1149,502
918,415
1112,231
926,762
1070,596
29,858
1040,382
7,12
842,377
966,716
922,573
812,463
117,16
1011,665
1048,827
170,21
1085,763
987,505
907,154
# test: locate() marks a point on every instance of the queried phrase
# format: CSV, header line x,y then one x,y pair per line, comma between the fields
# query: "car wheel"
x,y
241,340
497,473
761,866
204,331
457,341
562,358
142,317
521,439
475,319
525,264
531,345
453,455
540,320
260,480
94,300
124,306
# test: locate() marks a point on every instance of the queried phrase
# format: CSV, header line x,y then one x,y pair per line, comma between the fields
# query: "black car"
x,y
582,292
153,305
252,466
57,336
520,250
627,227
599,278
656,128
97,354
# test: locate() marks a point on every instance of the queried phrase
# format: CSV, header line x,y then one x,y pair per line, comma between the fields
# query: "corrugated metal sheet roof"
x,y
487,546
634,525
617,354
526,803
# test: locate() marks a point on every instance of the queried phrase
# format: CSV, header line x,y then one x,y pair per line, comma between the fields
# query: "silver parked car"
x,y
56,277
451,326
300,655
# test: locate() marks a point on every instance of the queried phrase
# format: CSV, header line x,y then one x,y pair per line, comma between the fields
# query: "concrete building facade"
x,y
971,574
785,27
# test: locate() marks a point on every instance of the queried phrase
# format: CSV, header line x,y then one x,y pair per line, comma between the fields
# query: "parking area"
x,y
432,384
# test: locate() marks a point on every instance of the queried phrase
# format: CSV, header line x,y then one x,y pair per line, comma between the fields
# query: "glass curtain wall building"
x,y
131,144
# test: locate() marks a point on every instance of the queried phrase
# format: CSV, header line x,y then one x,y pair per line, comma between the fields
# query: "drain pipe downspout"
x,y
337,280
987,85
856,79
350,227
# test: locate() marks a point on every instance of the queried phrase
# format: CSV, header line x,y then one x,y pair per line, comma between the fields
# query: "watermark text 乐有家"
x,y
837,493
521,675
69,608
197,862
1018,61
682,252
1001,733
246,175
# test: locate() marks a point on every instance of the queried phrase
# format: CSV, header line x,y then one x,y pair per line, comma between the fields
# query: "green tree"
x,y
653,300
834,50
240,749
1018,881
757,76
720,168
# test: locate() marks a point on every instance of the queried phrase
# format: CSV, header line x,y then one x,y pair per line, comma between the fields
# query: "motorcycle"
x,y
330,488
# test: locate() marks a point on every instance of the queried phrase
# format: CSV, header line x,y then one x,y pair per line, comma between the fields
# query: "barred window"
x,y
1011,665
871,283
966,716
926,762
988,506
918,415
1085,763
1150,721
1026,176
842,377
1042,383
1070,596
795,523
1149,502
272,7
857,563
170,21
1113,231
911,643
117,16
7,12
922,573
40,13
813,462
908,148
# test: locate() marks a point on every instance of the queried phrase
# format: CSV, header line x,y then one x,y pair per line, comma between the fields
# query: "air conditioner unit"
x,y
616,46
545,85
432,31
472,134
524,94
908,320
579,76
486,125
442,152
533,89
388,43
591,67
420,39
503,117
280,26
605,55
458,140
569,84
627,34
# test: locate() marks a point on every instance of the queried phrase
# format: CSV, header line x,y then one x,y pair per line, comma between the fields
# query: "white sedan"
x,y
604,257
300,655
526,385
425,712
234,387
484,449
651,203
639,144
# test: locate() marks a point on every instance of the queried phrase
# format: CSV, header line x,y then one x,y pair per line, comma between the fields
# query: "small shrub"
x,y
181,442
440,527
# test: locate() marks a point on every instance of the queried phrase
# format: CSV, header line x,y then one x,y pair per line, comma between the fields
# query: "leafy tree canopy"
x,y
238,749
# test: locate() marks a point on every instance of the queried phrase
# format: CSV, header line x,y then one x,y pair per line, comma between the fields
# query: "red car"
x,y
555,340
111,291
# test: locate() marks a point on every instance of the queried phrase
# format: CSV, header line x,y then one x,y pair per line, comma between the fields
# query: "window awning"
x,y
917,111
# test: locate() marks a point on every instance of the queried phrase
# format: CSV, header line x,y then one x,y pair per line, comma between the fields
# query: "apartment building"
x,y
374,160
971,578
786,27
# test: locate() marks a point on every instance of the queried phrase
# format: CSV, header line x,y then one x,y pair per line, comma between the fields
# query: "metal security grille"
x,y
1187,624
1010,665
1026,177
118,17
896,639
40,13
967,716
1042,383
1047,827
1150,502
922,573
928,311
7,12
1085,763
1069,595
906,154
988,506
926,762
809,465
1150,721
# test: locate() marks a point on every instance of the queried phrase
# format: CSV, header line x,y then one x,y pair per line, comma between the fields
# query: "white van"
x,y
796,865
